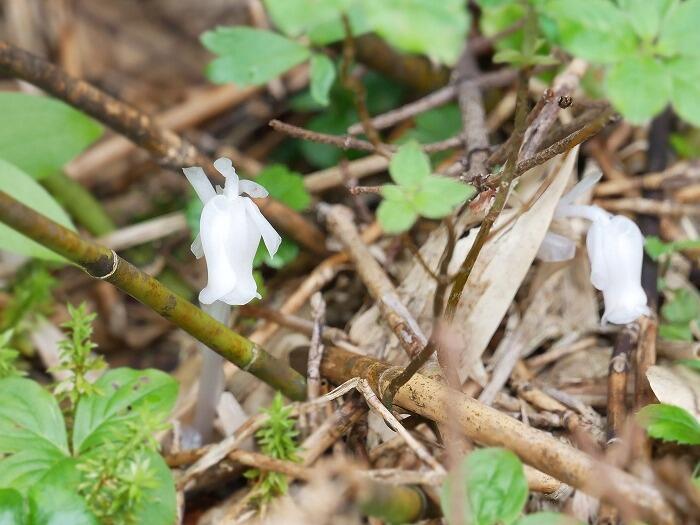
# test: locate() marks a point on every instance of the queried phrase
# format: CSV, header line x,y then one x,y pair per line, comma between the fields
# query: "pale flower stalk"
x,y
230,230
615,248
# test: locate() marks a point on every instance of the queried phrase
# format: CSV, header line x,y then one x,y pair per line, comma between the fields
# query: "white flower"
x,y
229,233
615,248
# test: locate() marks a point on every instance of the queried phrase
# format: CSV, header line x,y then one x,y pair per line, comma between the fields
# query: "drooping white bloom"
x,y
615,248
229,234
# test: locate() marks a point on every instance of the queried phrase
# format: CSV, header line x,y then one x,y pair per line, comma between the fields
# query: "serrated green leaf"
x,y
32,432
159,503
11,507
436,29
125,393
646,16
595,30
639,87
409,165
438,196
286,186
322,77
20,186
295,17
670,423
679,30
490,486
250,56
396,216
685,87
52,504
40,135
547,518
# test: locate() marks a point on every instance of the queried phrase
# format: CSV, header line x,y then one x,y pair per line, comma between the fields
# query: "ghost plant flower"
x,y
229,233
230,230
615,248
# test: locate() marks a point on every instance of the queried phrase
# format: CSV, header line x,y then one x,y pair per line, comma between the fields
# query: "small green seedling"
x,y
417,192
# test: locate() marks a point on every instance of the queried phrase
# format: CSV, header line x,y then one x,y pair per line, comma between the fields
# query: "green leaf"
x,y
125,393
435,125
646,16
53,504
436,29
333,30
249,56
656,248
547,518
675,332
286,253
679,31
396,216
409,165
382,95
286,186
438,196
490,488
595,30
683,308
639,87
394,193
32,432
11,507
686,143
497,17
322,77
159,502
693,364
670,423
40,135
295,17
20,186
685,88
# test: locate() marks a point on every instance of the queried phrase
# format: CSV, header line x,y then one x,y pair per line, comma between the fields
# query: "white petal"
x,y
196,247
556,248
582,187
595,244
242,250
225,167
199,181
270,237
253,189
616,249
220,217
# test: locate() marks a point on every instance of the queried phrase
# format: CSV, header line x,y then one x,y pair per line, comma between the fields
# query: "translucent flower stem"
x,y
211,377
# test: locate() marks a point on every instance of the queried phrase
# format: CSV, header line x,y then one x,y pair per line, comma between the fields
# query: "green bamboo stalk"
x,y
102,263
